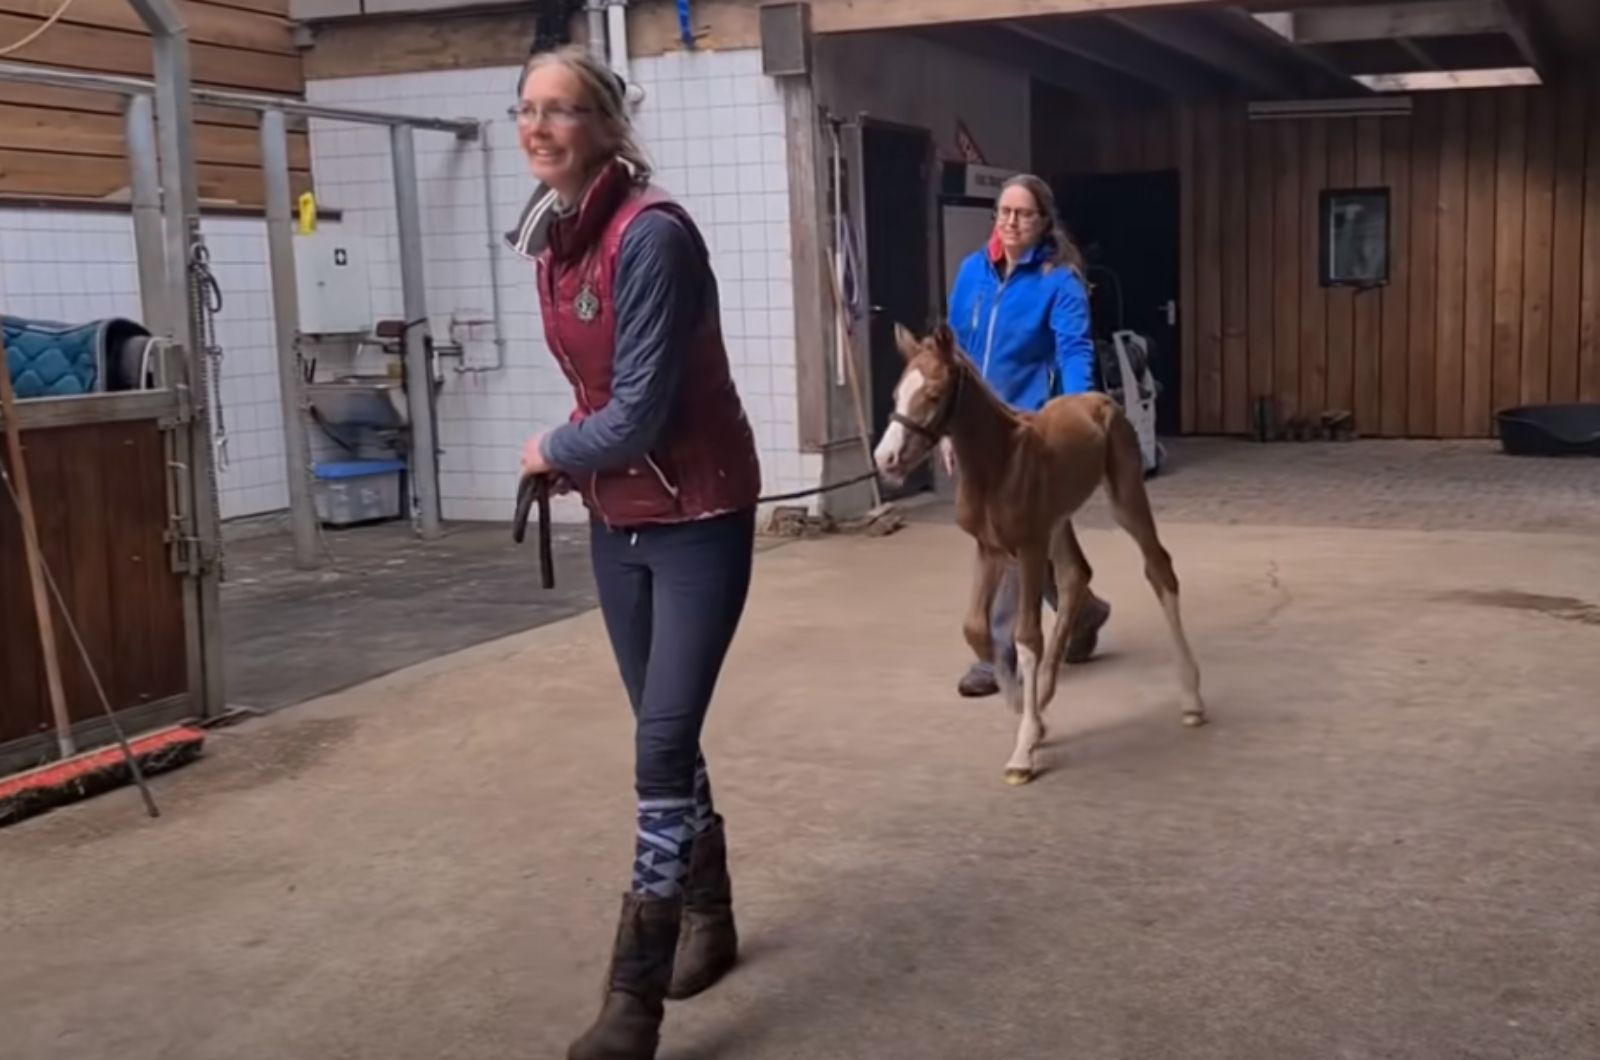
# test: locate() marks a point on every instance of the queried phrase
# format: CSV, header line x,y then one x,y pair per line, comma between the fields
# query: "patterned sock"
x,y
705,815
665,835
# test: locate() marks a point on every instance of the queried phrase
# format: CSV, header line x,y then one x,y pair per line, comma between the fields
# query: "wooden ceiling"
x,y
1276,50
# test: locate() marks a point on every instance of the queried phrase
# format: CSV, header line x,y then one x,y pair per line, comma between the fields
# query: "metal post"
x,y
145,186
286,320
418,373
181,216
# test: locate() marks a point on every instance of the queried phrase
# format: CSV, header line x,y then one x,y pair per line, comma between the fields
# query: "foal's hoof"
x,y
1018,777
1194,719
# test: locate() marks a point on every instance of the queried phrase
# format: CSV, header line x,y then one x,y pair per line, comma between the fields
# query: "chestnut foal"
x,y
1022,478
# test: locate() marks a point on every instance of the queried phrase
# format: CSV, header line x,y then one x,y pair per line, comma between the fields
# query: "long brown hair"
x,y
1067,252
607,95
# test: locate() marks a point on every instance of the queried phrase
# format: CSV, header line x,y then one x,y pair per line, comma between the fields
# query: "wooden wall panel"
x,y
1262,153
1341,300
1511,170
1187,262
1539,217
1235,367
1424,273
1494,292
1589,313
1313,296
1477,359
69,143
1452,301
1566,298
1365,399
1395,300
1209,238
1287,261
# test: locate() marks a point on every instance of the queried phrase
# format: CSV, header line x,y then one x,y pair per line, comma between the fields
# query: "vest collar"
x,y
569,233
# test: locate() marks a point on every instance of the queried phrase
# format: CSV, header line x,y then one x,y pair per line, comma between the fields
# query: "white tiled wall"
x,y
76,267
713,125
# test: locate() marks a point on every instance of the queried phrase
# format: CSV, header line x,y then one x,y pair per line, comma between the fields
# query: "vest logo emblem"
x,y
587,304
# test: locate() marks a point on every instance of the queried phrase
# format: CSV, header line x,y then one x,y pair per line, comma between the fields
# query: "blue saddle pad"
x,y
50,359
47,358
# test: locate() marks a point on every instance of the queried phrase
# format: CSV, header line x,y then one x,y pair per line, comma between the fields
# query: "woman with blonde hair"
x,y
1020,309
664,457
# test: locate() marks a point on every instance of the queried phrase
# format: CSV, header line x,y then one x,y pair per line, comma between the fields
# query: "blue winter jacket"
x,y
1029,334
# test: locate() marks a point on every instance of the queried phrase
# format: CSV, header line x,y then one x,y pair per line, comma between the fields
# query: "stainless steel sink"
x,y
375,401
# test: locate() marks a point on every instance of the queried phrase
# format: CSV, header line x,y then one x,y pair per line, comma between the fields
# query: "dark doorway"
x,y
895,172
1127,225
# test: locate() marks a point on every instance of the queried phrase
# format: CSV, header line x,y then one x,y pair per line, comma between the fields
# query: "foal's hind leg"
x,y
1130,504
1030,650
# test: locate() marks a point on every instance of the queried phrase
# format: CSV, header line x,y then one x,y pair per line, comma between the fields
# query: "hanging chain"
x,y
208,295
205,302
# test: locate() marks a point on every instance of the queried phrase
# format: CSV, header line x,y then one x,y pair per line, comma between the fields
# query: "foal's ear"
x,y
907,342
944,341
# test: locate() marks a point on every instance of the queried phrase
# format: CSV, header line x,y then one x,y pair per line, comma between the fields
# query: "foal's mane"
x,y
969,380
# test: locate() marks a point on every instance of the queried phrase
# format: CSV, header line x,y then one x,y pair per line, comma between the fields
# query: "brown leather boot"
x,y
629,1024
1085,634
708,944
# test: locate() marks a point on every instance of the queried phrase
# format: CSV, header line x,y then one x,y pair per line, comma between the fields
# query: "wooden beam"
x,y
1275,30
1117,49
1418,53
410,45
856,16
1528,36
1199,39
1422,18
1044,62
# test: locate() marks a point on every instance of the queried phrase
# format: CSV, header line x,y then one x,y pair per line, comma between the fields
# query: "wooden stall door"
x,y
100,498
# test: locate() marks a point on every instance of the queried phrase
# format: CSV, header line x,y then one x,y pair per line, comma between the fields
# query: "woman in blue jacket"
x,y
1021,311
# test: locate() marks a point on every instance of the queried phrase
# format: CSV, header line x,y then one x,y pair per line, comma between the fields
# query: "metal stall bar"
x,y
286,314
419,373
462,128
182,323
145,189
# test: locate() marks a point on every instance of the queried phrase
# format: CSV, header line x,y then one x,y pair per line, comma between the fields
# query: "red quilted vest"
x,y
704,464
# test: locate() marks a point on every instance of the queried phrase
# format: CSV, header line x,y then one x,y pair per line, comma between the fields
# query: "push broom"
x,y
74,775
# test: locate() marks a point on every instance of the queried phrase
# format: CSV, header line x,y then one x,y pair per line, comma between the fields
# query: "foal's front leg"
x,y
1030,650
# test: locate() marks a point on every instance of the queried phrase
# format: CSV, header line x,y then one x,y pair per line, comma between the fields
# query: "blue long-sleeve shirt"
x,y
659,289
1028,333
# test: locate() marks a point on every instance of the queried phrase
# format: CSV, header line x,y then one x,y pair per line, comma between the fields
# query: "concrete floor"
x,y
1384,847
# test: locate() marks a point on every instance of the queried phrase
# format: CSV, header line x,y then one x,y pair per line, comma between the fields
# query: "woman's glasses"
x,y
556,113
1020,215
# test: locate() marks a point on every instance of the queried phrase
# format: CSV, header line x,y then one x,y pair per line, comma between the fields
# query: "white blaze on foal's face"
x,y
891,452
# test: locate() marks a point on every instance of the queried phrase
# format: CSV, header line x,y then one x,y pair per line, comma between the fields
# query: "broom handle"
x,y
35,558
841,332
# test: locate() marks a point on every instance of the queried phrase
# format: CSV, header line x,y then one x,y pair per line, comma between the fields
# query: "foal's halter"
x,y
934,429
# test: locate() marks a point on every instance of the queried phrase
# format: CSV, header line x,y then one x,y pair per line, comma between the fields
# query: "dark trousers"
x,y
672,597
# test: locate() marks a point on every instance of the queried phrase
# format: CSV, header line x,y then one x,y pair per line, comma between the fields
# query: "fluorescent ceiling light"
x,y
1437,80
1361,107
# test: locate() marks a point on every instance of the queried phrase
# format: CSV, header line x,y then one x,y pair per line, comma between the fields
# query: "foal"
x,y
1023,476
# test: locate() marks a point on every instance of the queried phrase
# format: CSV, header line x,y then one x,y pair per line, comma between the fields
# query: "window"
x,y
1355,237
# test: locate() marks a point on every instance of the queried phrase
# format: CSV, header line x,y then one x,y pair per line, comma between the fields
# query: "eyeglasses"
x,y
1012,213
557,113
